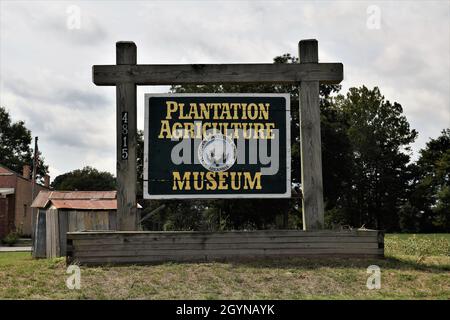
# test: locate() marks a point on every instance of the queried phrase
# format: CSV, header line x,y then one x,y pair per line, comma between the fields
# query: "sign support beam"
x,y
310,143
126,120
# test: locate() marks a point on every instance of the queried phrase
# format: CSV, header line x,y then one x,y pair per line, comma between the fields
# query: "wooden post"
x,y
33,191
126,141
310,142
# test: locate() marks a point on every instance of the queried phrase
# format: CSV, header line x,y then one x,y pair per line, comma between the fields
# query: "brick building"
x,y
16,199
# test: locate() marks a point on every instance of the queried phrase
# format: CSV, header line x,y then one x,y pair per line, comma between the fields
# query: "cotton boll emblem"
x,y
217,152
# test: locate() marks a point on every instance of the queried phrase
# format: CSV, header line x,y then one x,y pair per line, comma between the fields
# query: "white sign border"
x,y
287,194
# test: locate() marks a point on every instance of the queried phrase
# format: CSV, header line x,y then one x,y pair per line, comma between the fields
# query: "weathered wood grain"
x,y
40,245
211,241
376,253
52,233
310,143
151,247
222,252
63,227
110,75
218,234
126,168
141,247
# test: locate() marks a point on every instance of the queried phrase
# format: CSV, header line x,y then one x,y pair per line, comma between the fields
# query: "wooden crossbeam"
x,y
149,74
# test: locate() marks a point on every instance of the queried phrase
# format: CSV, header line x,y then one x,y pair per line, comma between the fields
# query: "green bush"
x,y
11,238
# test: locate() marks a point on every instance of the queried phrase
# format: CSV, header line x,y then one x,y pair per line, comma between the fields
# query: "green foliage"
x,y
380,138
11,238
409,218
15,145
430,195
86,179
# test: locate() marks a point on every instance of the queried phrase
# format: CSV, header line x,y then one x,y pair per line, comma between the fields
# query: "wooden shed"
x,y
60,212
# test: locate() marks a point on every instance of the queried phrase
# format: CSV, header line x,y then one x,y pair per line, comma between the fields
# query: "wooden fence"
x,y
93,248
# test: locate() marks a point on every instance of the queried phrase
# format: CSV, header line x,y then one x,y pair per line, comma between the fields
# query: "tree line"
x,y
369,178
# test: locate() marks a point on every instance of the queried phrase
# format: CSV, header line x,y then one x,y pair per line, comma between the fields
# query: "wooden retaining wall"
x,y
147,247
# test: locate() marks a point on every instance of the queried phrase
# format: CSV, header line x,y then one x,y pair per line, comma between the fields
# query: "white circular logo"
x,y
217,152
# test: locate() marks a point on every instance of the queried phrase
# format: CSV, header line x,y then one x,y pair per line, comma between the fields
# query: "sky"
x,y
47,50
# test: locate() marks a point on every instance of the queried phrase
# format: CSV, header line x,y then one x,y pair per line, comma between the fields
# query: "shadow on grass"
x,y
315,263
408,264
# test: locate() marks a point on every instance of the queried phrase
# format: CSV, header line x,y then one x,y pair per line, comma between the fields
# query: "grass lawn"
x,y
416,267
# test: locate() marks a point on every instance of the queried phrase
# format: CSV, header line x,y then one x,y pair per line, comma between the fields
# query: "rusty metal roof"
x,y
94,204
5,171
77,199
41,200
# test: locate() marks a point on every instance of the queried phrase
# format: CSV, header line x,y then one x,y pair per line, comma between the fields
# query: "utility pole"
x,y
33,190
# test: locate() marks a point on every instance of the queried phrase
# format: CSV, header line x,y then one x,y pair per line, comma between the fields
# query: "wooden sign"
x,y
127,74
217,146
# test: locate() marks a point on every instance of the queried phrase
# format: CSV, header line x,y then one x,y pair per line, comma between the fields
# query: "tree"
x,y
380,138
15,146
86,179
337,158
430,196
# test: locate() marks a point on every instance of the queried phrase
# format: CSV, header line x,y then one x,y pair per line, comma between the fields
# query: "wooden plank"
x,y
265,233
212,239
63,225
52,234
230,241
40,240
112,220
103,220
110,75
105,234
212,257
310,143
133,260
56,240
79,218
221,246
240,240
126,167
71,221
48,235
50,252
243,251
194,239
311,254
93,261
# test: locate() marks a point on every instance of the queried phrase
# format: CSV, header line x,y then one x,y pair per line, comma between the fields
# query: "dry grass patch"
x,y
412,270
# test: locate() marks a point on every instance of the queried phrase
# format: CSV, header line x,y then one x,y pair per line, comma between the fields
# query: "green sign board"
x,y
217,146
